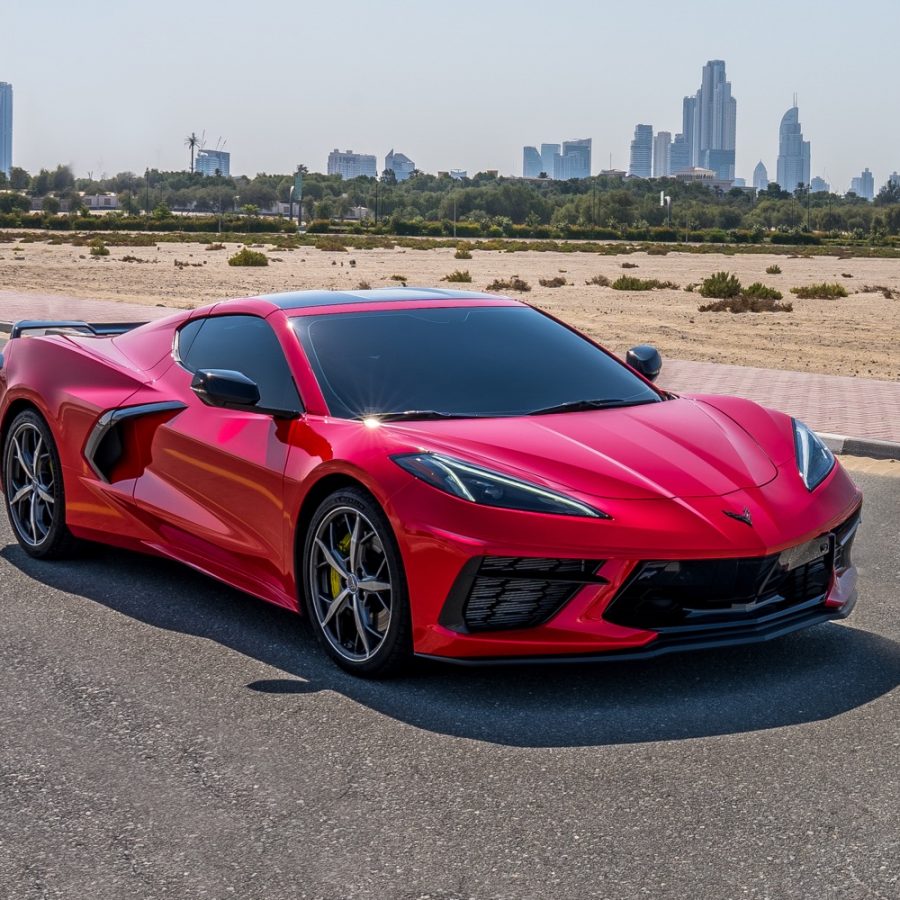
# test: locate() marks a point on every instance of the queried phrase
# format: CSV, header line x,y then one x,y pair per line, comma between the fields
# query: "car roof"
x,y
299,300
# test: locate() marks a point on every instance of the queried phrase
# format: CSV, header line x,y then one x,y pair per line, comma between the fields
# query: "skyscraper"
x,y
864,185
549,153
689,130
640,165
679,155
6,124
531,163
819,185
760,177
576,159
709,122
662,151
793,152
400,164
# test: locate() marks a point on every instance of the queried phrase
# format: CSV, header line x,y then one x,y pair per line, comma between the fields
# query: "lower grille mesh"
x,y
522,592
515,602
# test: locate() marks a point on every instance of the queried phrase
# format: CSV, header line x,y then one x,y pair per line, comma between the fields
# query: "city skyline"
x,y
282,117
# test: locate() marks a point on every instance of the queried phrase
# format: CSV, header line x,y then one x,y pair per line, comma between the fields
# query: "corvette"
x,y
427,472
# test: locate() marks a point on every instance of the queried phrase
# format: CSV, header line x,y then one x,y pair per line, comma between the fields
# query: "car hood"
x,y
677,448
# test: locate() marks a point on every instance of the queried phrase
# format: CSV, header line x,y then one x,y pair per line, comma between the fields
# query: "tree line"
x,y
484,203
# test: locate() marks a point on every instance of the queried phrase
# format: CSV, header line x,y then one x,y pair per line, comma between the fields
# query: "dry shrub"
x,y
514,283
458,275
746,304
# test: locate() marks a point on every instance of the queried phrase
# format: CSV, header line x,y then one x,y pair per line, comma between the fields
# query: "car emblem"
x,y
744,516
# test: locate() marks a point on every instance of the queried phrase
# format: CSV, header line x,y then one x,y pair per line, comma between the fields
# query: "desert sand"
x,y
858,335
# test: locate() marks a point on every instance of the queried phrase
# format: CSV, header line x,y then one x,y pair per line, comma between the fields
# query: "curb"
x,y
846,445
842,444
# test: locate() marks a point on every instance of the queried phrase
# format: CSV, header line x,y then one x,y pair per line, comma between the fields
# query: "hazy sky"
x,y
111,86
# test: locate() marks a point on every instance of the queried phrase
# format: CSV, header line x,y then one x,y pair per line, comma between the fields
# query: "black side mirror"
x,y
225,388
645,359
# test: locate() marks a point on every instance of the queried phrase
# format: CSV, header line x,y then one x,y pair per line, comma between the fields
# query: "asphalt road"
x,y
163,736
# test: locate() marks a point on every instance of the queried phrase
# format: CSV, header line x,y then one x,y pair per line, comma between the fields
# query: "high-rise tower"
x,y
641,151
760,177
709,122
793,152
6,125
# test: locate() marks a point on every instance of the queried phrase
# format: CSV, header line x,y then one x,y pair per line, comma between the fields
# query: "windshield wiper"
x,y
580,405
399,415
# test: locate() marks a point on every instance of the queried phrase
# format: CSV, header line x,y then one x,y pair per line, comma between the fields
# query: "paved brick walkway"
x,y
859,407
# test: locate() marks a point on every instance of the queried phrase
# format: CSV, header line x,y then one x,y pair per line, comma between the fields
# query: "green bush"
x,y
821,291
459,276
746,304
248,257
757,289
463,252
630,283
773,270
722,285
795,238
331,244
98,248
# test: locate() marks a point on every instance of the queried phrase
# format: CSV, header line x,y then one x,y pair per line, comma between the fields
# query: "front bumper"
x,y
442,563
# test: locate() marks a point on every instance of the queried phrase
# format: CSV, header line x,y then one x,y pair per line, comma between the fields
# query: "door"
x,y
214,485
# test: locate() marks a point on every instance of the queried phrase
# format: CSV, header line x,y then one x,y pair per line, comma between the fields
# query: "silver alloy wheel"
x,y
30,484
349,584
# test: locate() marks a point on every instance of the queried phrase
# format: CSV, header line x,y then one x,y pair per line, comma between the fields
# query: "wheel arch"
x,y
324,487
19,405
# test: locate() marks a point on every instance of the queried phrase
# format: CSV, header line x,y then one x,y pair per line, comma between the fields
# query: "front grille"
x,y
494,593
688,596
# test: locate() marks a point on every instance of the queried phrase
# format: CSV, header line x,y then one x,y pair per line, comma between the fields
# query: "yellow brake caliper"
x,y
344,547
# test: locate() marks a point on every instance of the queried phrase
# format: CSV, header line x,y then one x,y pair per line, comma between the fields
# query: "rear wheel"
x,y
355,588
32,478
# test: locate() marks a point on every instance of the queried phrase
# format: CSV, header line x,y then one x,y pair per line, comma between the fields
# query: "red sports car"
x,y
430,472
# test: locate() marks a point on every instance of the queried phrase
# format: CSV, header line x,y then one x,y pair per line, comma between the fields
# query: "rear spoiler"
x,y
96,329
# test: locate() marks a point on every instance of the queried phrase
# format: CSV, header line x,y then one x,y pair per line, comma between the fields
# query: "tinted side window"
x,y
245,344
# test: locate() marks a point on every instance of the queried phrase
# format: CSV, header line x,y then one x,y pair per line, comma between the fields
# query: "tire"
x,y
33,485
367,633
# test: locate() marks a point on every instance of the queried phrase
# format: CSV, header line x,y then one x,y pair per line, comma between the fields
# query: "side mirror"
x,y
645,359
225,388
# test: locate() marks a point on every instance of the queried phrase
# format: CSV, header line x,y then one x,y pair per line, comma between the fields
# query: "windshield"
x,y
474,361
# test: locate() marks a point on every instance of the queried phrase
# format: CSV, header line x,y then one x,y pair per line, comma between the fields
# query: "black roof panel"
x,y
305,299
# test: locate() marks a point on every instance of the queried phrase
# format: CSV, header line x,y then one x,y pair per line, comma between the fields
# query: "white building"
x,y
352,165
213,162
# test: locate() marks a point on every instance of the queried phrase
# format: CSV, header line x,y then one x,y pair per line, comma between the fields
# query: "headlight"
x,y
478,485
814,459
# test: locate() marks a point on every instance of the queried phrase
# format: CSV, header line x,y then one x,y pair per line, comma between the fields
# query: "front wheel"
x,y
355,588
33,483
